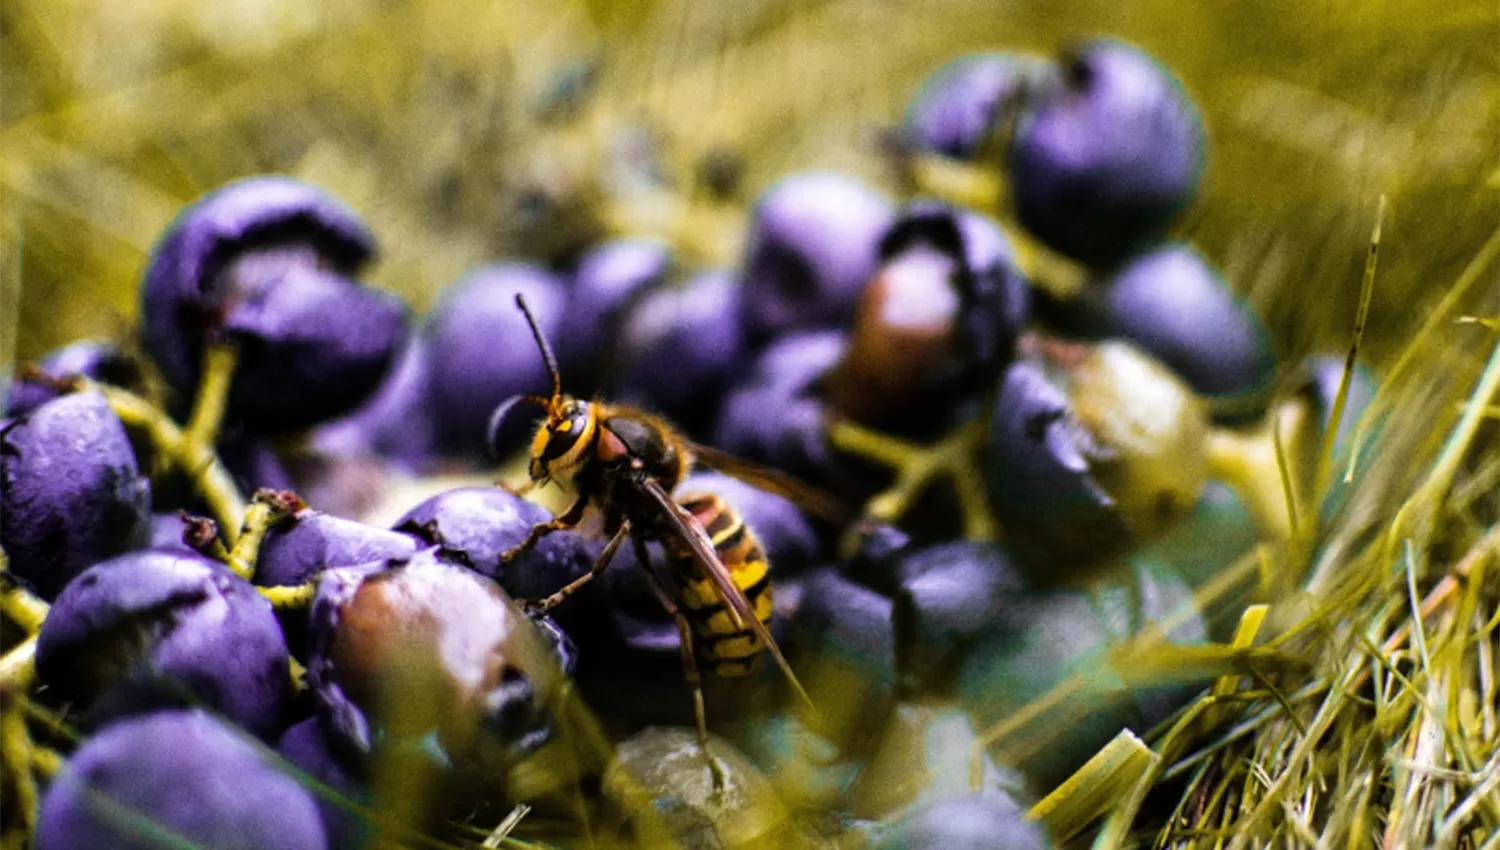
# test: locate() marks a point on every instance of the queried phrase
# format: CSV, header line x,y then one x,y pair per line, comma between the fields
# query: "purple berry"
x,y
156,628
786,534
1174,306
306,746
102,361
679,350
167,531
810,250
483,352
963,103
396,423
268,262
1104,161
297,550
607,282
176,778
70,491
965,823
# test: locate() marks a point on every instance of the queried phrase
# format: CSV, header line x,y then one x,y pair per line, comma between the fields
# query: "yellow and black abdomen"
x,y
720,646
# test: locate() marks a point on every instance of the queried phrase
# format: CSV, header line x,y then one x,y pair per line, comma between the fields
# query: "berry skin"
x,y
70,491
483,352
184,773
268,262
102,361
679,349
964,102
396,423
810,250
1172,304
1103,162
155,628
306,747
608,281
294,552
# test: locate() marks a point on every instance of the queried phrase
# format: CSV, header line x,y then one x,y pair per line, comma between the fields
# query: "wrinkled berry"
x,y
267,262
102,361
965,823
810,250
70,491
679,349
1173,305
483,352
156,628
607,282
961,106
1103,162
180,774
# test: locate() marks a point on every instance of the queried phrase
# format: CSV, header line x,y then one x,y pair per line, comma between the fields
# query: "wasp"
x,y
627,464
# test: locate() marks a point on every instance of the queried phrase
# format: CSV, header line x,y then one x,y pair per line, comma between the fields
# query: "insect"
x,y
627,463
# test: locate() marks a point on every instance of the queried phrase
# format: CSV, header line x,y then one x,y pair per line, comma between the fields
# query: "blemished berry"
x,y
607,282
1173,305
268,262
306,746
102,361
396,423
925,756
1090,449
423,627
949,594
173,779
679,350
70,491
483,352
962,105
810,250
166,628
965,823
1105,160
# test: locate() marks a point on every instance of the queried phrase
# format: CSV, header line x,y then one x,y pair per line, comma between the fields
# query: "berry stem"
x,y
1262,466
219,362
290,597
18,668
955,456
266,510
24,608
15,764
197,460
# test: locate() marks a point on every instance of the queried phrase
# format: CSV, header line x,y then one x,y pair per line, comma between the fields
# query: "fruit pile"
x,y
1036,475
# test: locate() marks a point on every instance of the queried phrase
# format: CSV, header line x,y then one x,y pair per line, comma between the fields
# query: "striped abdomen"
x,y
721,647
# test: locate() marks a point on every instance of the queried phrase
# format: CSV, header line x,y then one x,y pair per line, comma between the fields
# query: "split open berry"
x,y
268,263
964,103
70,491
176,778
1172,304
607,282
811,247
483,352
1103,162
101,361
166,628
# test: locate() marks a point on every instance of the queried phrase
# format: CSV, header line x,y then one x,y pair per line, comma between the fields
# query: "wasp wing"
x,y
734,598
789,487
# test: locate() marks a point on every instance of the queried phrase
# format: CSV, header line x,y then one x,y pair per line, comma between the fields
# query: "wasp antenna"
x,y
541,343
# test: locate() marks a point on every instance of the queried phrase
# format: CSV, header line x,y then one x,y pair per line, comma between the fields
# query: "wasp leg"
x,y
689,663
519,490
600,563
567,519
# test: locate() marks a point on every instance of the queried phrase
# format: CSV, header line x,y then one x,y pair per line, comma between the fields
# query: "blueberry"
x,y
965,823
483,352
167,531
925,757
154,628
296,551
171,779
790,542
306,746
102,361
949,595
1058,634
70,491
1091,449
268,262
679,350
1105,161
810,250
474,526
473,674
960,107
396,423
1173,305
607,282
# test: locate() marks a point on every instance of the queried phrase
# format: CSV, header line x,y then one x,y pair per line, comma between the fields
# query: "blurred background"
x,y
468,132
